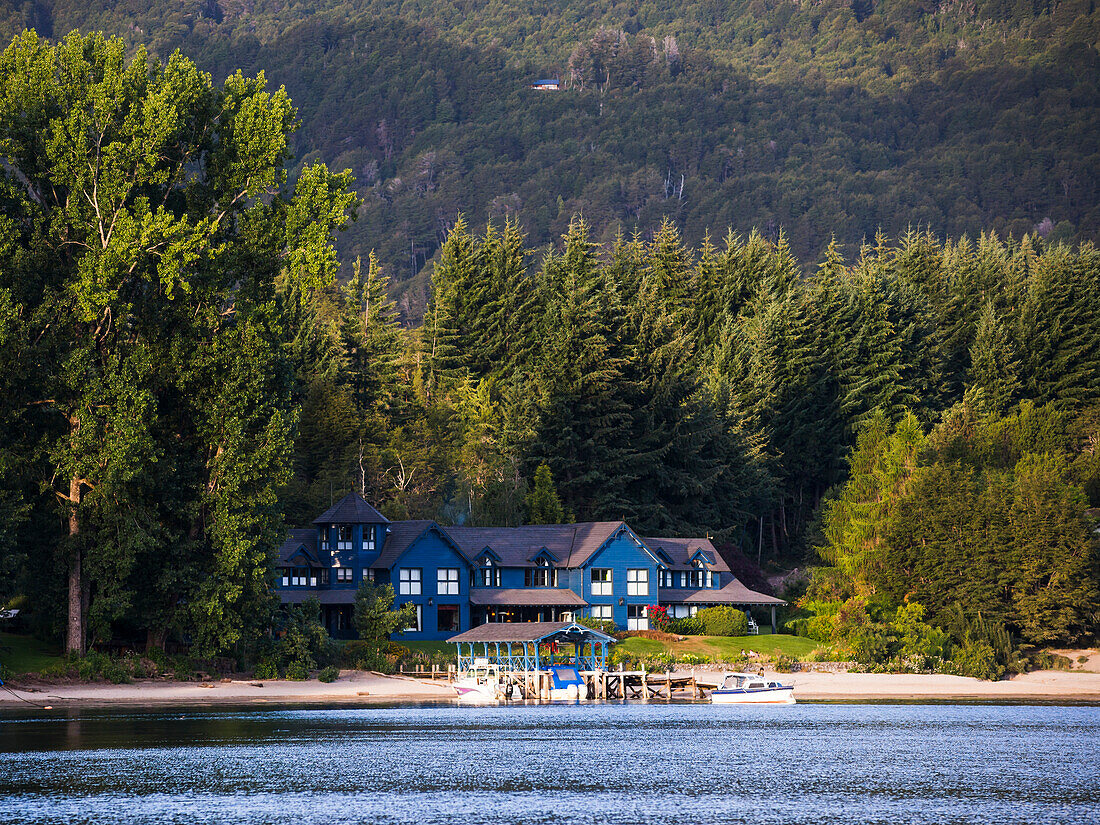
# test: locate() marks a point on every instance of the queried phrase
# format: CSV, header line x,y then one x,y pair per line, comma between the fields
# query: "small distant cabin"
x,y
549,85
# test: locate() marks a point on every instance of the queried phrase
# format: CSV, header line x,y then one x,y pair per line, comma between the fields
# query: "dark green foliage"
x,y
979,523
723,621
543,505
301,643
328,674
375,619
603,625
687,626
824,119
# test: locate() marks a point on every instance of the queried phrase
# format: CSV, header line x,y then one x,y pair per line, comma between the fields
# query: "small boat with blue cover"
x,y
751,689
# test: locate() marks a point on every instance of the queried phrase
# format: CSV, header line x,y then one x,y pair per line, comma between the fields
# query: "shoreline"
x,y
362,687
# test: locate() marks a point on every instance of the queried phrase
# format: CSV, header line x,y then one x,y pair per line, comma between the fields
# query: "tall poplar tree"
x,y
152,223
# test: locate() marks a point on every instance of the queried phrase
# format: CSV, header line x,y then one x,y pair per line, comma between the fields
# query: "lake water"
x,y
591,763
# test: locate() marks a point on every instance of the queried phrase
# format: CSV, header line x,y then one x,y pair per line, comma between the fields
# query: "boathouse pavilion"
x,y
458,578
517,646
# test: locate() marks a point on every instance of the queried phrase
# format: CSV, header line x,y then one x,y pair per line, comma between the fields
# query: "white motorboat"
x,y
749,688
481,683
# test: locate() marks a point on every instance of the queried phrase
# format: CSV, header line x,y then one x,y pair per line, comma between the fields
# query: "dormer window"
x,y
368,538
343,538
543,575
324,538
700,576
488,575
664,577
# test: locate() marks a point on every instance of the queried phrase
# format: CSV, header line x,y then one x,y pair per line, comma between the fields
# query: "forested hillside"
x,y
824,119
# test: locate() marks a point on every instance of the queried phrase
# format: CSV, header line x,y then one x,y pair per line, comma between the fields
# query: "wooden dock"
x,y
599,684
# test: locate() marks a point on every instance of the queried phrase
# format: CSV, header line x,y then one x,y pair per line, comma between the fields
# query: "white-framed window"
x,y
601,581
447,581
368,538
700,576
637,617
684,579
409,580
324,538
343,537
343,574
601,611
637,581
285,576
299,576
368,574
418,622
682,611
664,577
488,575
543,575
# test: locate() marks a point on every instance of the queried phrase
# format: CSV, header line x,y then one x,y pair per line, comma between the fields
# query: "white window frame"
x,y
344,574
637,581
410,581
341,542
368,538
665,578
446,581
286,576
489,574
602,587
324,539
368,574
602,612
637,622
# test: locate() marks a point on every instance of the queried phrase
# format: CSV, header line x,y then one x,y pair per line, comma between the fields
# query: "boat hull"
x,y
765,696
477,693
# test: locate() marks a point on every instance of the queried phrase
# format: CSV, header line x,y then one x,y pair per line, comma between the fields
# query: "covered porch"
x,y
733,594
528,605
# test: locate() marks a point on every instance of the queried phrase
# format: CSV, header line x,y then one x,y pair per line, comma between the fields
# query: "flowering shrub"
x,y
659,618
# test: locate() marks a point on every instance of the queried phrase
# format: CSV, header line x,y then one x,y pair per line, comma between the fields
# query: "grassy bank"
x,y
725,648
25,654
722,648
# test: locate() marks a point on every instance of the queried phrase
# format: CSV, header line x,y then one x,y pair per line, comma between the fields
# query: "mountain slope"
x,y
816,119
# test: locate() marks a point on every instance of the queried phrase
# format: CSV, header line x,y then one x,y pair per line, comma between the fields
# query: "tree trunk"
x,y
74,642
155,638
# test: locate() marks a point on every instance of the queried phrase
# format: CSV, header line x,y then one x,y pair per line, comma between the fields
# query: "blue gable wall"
x,y
429,553
620,554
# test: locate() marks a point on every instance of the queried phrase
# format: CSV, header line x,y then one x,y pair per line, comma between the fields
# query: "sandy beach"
x,y
358,687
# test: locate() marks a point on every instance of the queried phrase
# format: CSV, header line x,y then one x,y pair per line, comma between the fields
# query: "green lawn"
x,y
25,654
723,647
429,647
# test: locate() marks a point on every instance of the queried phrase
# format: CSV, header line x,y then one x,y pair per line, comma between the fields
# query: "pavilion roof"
x,y
568,632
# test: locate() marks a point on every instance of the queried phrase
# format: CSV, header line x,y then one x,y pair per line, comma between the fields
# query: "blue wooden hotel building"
x,y
462,577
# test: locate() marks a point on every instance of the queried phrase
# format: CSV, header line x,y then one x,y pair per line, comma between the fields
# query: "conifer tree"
x,y
993,381
543,504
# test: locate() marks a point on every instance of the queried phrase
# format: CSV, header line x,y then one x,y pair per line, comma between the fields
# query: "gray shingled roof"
x,y
572,544
520,596
296,539
681,551
400,534
531,632
732,593
351,509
